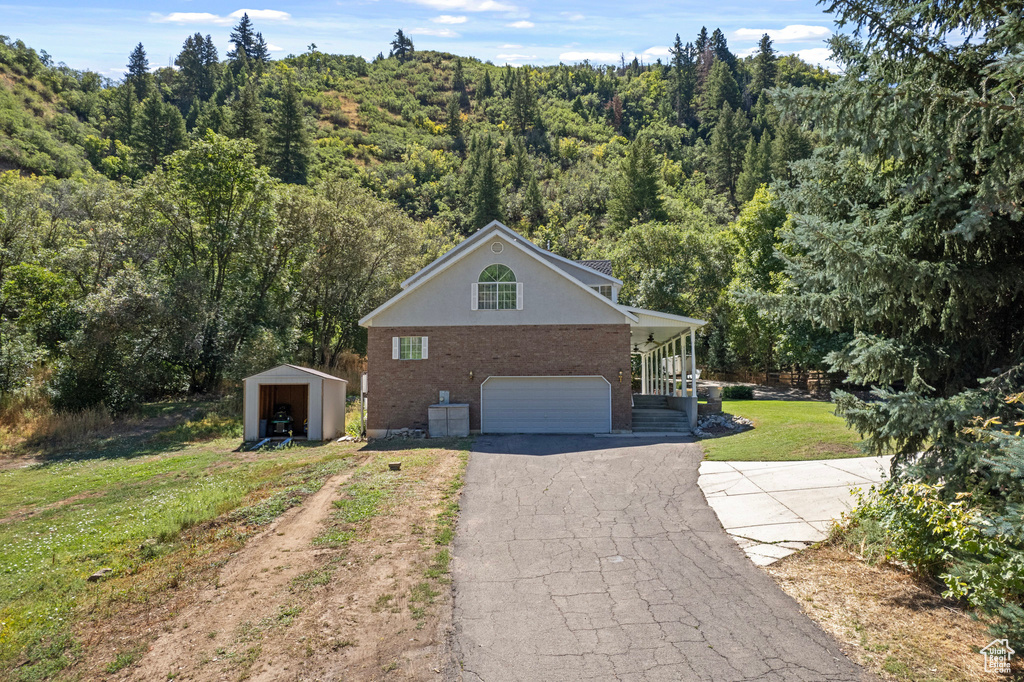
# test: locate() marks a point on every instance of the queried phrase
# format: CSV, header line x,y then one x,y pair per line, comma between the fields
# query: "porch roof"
x,y
662,326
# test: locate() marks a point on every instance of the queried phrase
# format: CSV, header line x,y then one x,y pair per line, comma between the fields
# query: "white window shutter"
x,y
423,340
474,304
396,342
519,295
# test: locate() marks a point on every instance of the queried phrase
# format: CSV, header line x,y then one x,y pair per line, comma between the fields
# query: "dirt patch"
x,y
885,618
284,609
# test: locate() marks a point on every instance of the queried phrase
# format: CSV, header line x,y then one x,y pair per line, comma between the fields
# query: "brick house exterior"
x,y
544,348
401,391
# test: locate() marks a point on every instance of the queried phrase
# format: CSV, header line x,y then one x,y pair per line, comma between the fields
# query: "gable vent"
x,y
497,247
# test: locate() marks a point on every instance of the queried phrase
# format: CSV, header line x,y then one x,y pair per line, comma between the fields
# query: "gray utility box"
x,y
450,419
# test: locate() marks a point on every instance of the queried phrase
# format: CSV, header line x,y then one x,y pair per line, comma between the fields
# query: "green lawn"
x,y
784,430
67,515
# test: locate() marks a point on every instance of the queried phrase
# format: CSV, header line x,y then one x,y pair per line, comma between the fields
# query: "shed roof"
x,y
305,370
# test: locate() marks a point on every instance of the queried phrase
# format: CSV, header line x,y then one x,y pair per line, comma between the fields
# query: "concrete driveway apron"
x,y
598,558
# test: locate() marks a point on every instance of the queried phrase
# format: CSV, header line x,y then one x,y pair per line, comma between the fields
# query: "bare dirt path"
x,y
252,588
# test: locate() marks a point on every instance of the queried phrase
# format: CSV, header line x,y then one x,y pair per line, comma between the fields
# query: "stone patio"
x,y
773,509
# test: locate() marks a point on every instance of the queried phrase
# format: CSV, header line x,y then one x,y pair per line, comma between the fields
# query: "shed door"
x,y
546,405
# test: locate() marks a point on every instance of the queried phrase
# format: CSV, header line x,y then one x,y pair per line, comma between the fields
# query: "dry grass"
x,y
885,618
65,429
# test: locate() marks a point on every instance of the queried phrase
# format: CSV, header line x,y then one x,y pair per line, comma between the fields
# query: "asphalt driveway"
x,y
598,558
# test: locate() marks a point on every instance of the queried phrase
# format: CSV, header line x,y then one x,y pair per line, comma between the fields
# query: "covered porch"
x,y
665,345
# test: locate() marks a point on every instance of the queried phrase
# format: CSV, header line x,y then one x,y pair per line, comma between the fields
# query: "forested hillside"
x,y
187,225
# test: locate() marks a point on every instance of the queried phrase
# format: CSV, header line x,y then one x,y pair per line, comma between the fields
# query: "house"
x,y
531,341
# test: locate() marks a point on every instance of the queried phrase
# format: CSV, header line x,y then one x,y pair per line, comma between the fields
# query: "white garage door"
x,y
546,405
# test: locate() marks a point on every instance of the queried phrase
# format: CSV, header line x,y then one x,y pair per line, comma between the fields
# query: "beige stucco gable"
x,y
445,298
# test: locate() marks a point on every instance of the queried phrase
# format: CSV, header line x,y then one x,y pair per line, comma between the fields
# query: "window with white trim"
x,y
409,347
497,289
603,289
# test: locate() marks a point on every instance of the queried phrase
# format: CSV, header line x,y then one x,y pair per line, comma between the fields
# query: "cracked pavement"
x,y
598,558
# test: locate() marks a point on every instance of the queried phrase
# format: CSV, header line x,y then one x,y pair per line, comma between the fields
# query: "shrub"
x,y
977,556
738,393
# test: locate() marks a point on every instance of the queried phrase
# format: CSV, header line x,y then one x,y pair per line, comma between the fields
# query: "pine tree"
x,y
196,64
520,167
719,88
126,112
905,238
725,154
485,197
720,47
791,144
635,192
247,119
524,101
684,78
486,88
757,168
138,71
702,41
401,46
160,130
243,37
765,68
453,126
458,77
289,138
533,202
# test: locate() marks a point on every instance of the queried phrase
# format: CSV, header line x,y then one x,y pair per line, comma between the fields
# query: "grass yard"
x,y
163,509
784,430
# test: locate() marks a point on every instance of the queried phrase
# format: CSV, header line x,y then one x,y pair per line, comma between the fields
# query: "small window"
x,y
409,347
497,289
603,289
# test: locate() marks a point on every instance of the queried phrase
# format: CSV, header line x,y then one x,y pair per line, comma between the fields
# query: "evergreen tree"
x,y
485,198
401,46
791,144
486,88
454,123
725,154
757,168
520,168
533,203
459,82
906,233
684,78
196,64
720,47
524,101
702,42
765,68
160,130
126,112
210,117
138,71
289,138
243,37
247,120
635,192
720,88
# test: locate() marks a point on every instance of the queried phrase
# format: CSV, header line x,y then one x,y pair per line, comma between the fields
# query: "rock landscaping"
x,y
714,425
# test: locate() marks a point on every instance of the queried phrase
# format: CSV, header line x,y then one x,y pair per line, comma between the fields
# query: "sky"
x,y
99,34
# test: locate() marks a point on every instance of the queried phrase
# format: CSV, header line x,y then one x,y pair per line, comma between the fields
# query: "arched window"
x,y
497,288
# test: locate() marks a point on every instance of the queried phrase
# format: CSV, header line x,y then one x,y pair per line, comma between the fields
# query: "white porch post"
x,y
643,373
693,360
657,371
661,369
682,366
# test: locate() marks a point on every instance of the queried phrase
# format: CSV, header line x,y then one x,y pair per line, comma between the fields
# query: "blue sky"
x,y
99,34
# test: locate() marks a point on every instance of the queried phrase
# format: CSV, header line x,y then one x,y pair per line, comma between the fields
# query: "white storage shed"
x,y
293,401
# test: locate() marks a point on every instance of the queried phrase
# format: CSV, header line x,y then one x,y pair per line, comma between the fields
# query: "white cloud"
x,y
261,14
596,57
573,16
436,32
208,18
790,33
274,48
510,46
819,56
515,57
468,5
656,52
189,18
448,19
520,24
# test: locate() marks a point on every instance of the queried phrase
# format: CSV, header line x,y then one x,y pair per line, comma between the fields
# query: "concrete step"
x,y
661,429
642,401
